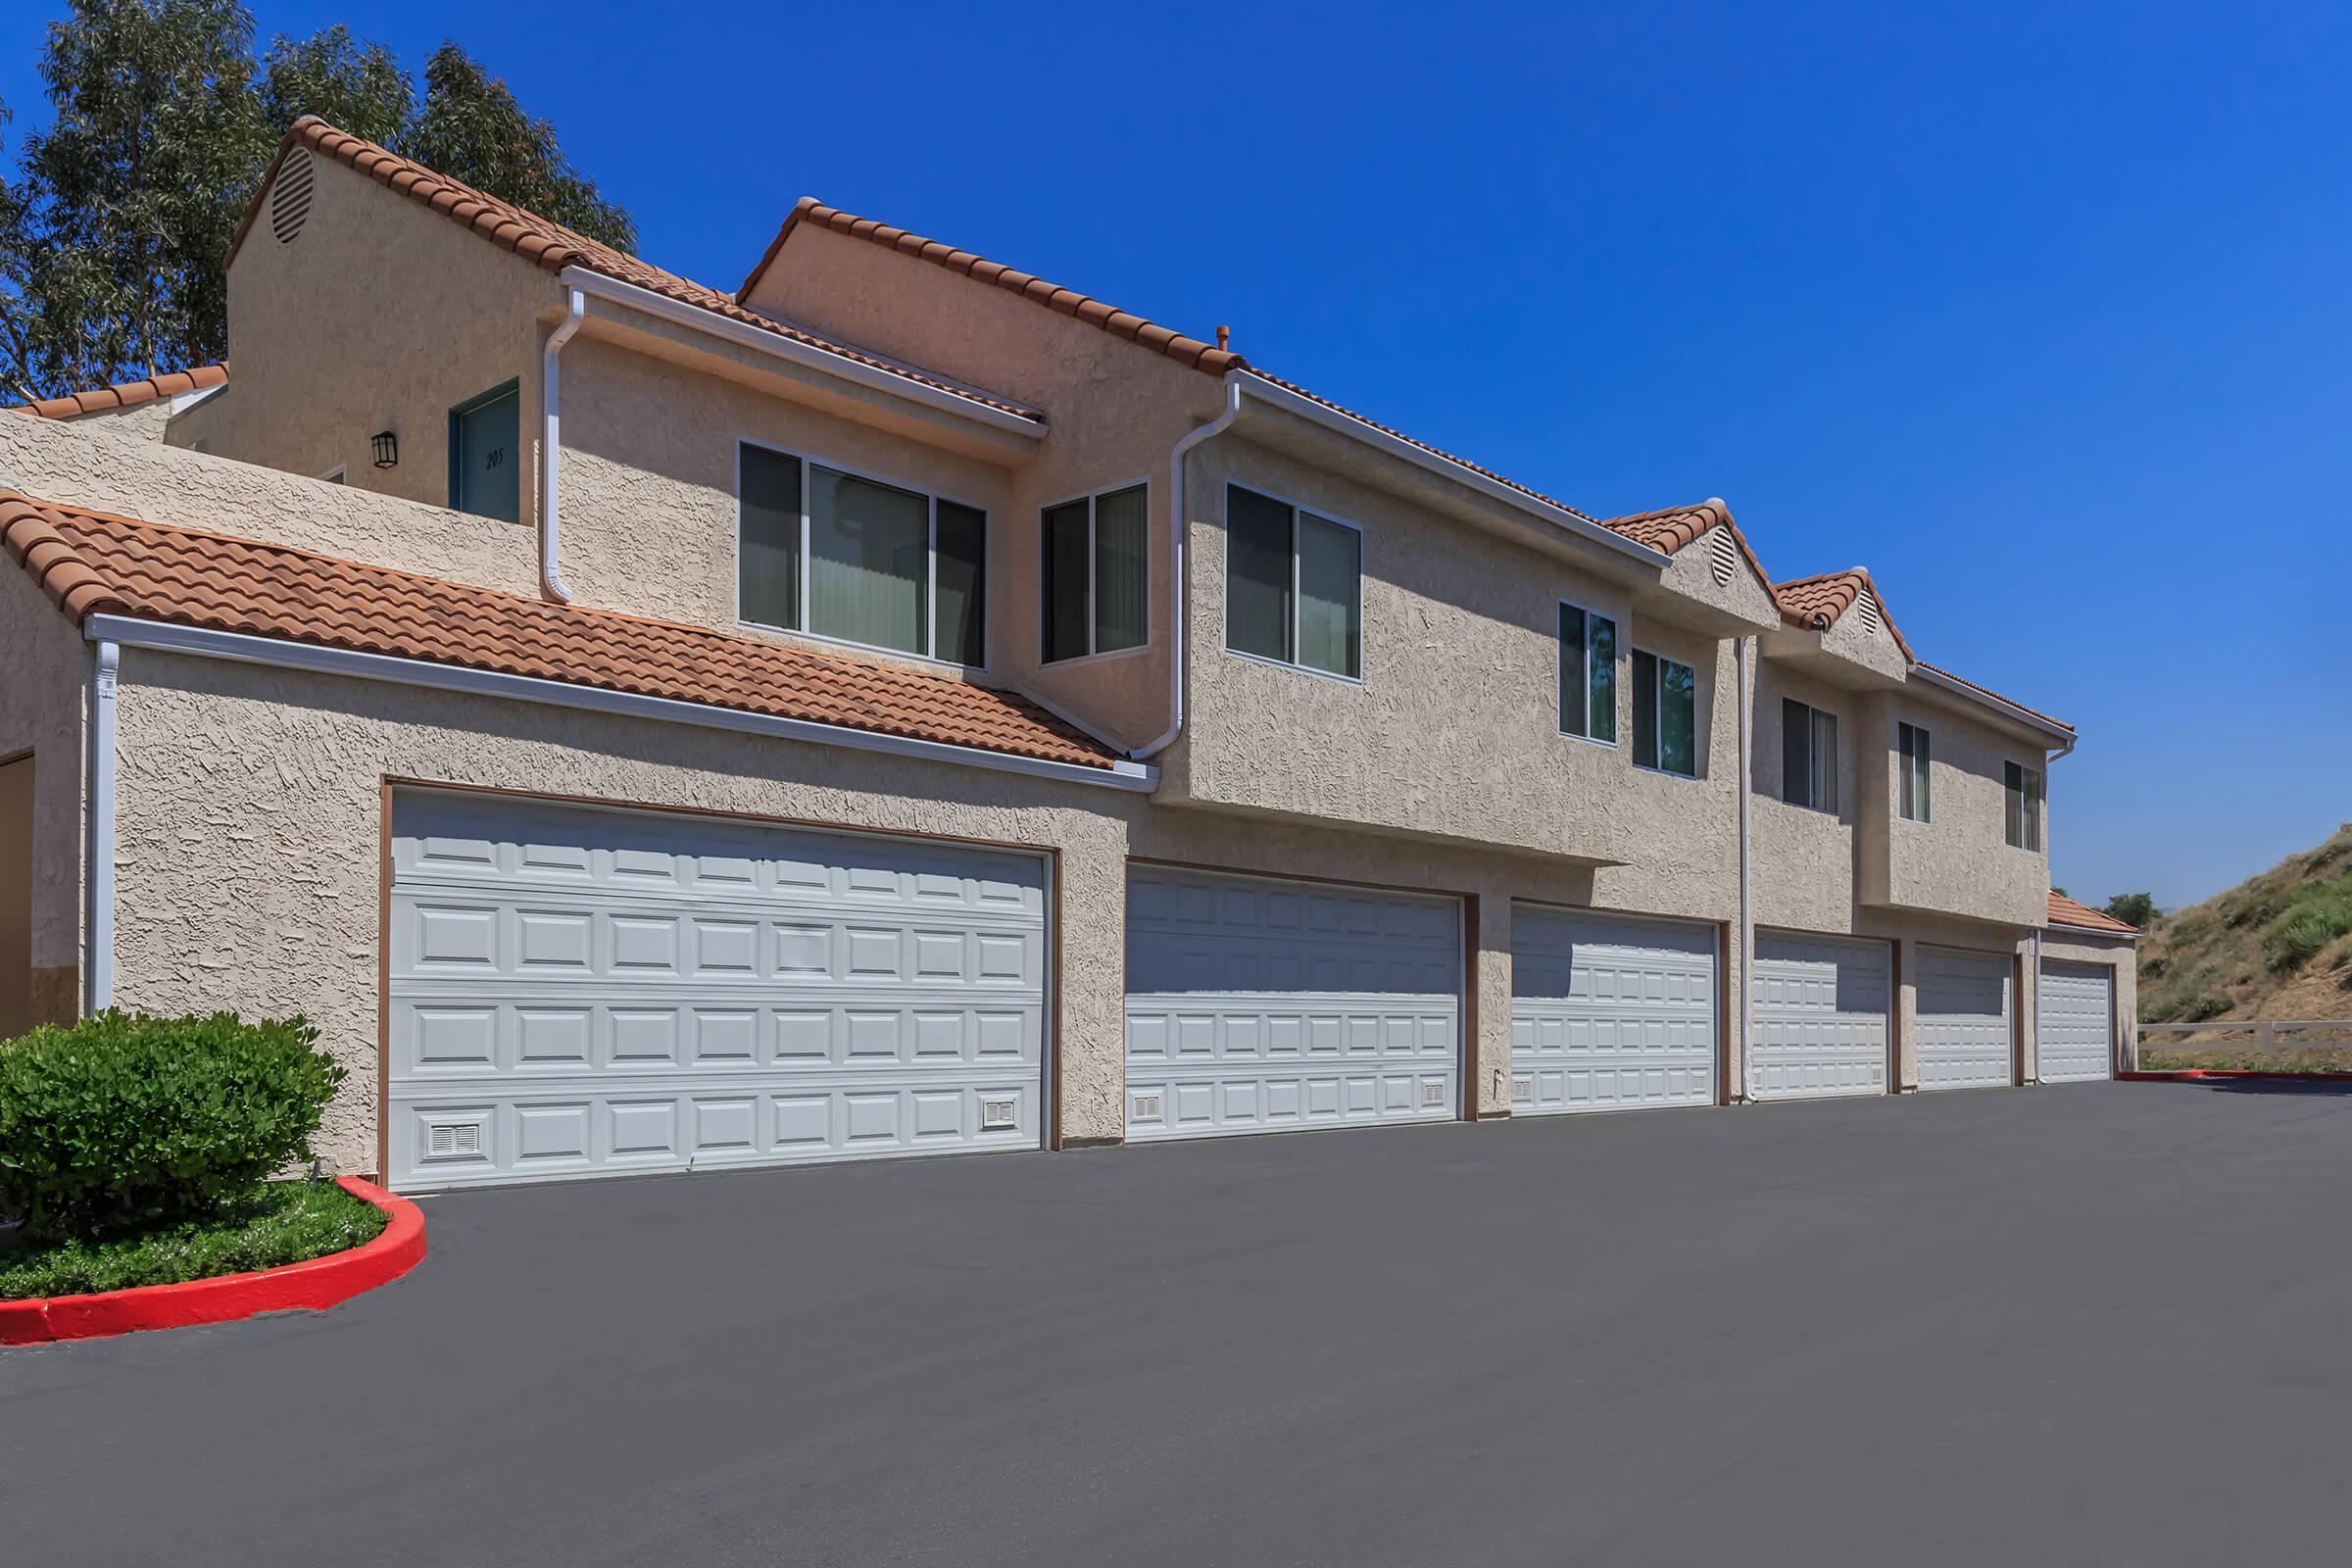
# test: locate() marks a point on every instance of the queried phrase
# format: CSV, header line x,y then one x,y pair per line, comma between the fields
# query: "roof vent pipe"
x,y
1224,337
551,445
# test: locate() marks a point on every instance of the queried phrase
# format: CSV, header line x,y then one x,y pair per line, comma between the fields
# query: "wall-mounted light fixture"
x,y
387,449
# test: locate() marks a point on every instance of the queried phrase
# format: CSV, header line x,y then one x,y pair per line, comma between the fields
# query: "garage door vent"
x,y
451,1139
999,1115
1523,1086
1433,1092
1146,1108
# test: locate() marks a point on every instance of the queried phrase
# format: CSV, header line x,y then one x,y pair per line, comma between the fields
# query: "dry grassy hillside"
x,y
2277,945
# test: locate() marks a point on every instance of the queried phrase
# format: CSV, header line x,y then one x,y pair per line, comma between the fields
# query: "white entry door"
x,y
1821,1011
582,992
1609,1012
1964,1030
1255,1005
2073,1022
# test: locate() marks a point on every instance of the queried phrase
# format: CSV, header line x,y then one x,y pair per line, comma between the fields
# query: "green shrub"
x,y
2316,918
124,1120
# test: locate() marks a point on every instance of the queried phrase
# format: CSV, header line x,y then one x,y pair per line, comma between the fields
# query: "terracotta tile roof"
x,y
130,394
1676,529
2065,911
1817,602
1987,691
554,247
93,562
1067,300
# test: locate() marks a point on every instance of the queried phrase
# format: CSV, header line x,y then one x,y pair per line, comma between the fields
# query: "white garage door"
x,y
1609,1012
1964,1037
1820,1016
578,992
2073,1022
1257,1005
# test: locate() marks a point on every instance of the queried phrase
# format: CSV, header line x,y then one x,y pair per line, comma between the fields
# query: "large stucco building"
x,y
904,706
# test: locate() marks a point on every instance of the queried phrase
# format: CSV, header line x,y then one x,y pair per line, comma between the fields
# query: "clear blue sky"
x,y
2038,312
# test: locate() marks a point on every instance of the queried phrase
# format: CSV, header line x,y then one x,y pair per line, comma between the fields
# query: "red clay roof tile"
x,y
94,562
1817,602
554,247
1674,529
130,394
2065,911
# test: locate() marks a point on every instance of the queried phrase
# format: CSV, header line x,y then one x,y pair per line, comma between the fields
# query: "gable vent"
x,y
290,196
1722,556
1866,608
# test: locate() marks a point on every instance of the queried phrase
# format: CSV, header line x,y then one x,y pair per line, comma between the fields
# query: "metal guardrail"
x,y
2264,1032
2256,1044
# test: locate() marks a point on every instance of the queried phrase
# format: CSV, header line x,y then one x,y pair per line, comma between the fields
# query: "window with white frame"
x,y
1808,756
1096,578
1911,774
1665,715
837,554
2022,814
1588,675
1294,585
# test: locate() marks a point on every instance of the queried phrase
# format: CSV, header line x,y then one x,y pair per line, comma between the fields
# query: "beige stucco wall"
x,y
1959,861
106,470
43,711
1804,859
257,888
1115,410
381,314
1454,730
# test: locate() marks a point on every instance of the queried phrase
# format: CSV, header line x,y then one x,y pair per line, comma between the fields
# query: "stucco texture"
x,y
107,469
44,712
380,314
1116,412
1959,861
249,821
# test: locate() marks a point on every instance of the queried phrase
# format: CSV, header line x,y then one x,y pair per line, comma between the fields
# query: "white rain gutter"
x,y
775,345
278,653
1999,704
100,975
551,445
1747,906
1360,429
1181,596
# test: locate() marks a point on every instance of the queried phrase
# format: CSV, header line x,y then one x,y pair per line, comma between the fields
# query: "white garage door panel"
x,y
1964,1035
2074,1023
1820,1017
1260,1005
577,991
1609,1013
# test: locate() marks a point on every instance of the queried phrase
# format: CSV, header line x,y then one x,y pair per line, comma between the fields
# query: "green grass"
x,y
278,1222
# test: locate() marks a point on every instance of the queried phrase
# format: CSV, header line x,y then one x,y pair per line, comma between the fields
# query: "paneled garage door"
x,y
1609,1012
1820,1017
1964,1036
1256,1005
578,992
2073,1022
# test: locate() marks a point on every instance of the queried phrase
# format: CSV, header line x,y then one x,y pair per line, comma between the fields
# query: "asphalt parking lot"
x,y
2086,1325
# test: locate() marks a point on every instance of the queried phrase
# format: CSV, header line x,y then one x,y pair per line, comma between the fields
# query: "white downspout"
x,y
1747,908
1179,525
100,979
551,445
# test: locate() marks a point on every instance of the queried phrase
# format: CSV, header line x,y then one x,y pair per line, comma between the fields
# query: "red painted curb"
x,y
312,1285
2182,1074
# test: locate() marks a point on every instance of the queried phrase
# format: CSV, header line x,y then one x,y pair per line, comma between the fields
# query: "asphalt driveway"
x,y
2089,1324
